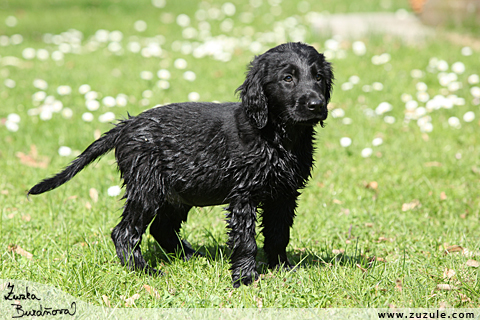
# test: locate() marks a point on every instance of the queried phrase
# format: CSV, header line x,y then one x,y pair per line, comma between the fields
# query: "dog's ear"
x,y
253,98
328,74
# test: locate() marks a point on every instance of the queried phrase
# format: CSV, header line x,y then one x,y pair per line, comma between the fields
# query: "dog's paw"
x,y
285,266
188,252
153,272
246,278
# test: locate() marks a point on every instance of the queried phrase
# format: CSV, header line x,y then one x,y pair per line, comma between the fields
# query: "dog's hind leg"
x,y
166,226
127,235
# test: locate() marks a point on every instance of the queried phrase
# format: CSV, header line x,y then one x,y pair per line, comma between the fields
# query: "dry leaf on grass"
x,y
106,301
26,217
361,268
377,288
32,159
97,134
454,248
443,196
473,263
369,225
371,185
464,298
259,302
398,285
152,291
446,287
338,251
411,205
464,251
20,251
131,301
336,201
448,273
93,194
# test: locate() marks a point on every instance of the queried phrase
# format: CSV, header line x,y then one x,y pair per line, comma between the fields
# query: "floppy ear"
x,y
328,72
253,98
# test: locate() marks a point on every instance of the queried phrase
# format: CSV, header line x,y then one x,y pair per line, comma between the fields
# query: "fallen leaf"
x,y
448,273
473,263
32,159
398,285
93,194
372,185
97,134
20,251
454,248
337,201
443,196
377,288
369,225
106,301
411,205
152,291
131,301
464,298
385,239
338,251
360,267
380,259
4,192
445,286
259,302
88,205
26,217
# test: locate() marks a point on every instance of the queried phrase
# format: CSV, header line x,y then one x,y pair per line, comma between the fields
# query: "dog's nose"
x,y
315,105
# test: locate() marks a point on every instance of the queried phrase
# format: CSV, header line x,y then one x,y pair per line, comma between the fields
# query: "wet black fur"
x,y
255,154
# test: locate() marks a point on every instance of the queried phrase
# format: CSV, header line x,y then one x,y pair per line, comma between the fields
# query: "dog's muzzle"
x,y
318,108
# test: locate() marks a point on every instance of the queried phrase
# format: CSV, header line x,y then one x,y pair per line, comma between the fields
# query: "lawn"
x,y
389,218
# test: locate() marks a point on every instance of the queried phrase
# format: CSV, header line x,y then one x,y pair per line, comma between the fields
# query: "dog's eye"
x,y
318,77
288,79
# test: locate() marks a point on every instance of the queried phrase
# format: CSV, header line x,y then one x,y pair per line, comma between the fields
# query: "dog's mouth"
x,y
310,118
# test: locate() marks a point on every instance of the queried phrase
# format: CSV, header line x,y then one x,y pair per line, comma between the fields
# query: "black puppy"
x,y
253,155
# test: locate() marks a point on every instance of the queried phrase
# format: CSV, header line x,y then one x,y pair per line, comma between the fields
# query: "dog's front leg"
x,y
277,218
241,222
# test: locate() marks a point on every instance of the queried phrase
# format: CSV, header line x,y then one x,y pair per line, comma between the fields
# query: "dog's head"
x,y
291,83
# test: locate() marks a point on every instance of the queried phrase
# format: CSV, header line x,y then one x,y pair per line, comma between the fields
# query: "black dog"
x,y
253,155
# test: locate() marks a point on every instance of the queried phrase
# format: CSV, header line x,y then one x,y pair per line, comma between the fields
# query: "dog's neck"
x,y
290,137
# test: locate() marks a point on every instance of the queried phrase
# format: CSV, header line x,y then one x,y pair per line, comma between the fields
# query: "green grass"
x,y
390,257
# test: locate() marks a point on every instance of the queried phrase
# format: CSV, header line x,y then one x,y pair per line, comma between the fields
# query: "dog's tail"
x,y
94,151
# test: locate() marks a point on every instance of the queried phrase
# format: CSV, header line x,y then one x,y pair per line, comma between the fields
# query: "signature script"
x,y
41,311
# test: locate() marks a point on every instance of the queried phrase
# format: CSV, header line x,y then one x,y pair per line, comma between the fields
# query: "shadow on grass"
x,y
154,255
